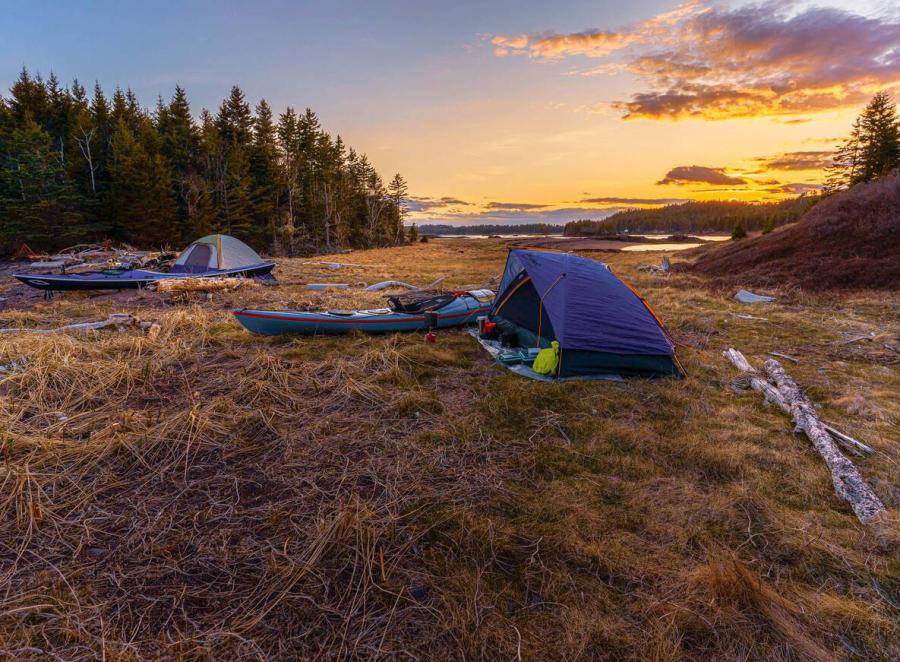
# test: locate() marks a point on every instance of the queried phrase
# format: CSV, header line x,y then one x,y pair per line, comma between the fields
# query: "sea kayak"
x,y
451,310
130,279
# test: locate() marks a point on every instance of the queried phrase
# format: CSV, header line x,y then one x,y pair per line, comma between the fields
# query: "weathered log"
x,y
848,482
383,285
203,284
117,321
785,356
772,396
327,286
757,381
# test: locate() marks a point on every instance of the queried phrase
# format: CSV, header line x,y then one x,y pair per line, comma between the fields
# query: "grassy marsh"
x,y
203,493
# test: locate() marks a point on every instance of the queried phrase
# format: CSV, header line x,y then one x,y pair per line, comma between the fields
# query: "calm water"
x,y
636,248
704,237
502,236
633,248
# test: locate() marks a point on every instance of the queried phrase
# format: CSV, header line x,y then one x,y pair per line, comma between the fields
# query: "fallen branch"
x,y
383,285
325,286
858,338
848,482
662,268
784,356
335,265
203,284
771,395
847,441
119,321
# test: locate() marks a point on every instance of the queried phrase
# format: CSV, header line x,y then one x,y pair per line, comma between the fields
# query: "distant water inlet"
x,y
611,244
659,247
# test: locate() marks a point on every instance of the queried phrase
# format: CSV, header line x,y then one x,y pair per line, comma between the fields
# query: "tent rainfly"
x,y
602,325
216,252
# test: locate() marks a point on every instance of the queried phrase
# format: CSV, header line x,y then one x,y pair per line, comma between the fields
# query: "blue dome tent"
x,y
601,324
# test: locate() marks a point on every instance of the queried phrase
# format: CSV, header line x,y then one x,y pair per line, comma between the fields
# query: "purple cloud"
x,y
693,174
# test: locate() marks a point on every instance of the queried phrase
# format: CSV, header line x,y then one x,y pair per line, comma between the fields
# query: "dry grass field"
x,y
201,493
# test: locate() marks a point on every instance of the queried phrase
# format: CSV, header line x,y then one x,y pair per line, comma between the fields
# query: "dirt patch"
x,y
850,240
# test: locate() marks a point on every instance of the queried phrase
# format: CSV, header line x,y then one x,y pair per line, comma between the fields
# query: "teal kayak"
x,y
404,315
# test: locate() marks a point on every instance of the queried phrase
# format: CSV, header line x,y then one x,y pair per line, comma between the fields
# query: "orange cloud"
x,y
807,160
595,43
692,174
704,60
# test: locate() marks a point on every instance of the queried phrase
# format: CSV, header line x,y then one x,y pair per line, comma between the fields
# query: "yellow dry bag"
x,y
547,359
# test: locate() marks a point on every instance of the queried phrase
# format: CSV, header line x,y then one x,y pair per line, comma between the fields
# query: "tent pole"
x,y
541,306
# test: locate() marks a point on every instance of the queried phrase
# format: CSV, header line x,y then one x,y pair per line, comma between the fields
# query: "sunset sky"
x,y
510,111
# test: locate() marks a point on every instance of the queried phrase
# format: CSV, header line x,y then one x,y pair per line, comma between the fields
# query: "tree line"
x,y
490,228
76,167
713,216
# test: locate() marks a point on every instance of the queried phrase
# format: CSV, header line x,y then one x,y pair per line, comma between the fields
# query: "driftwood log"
x,y
203,284
787,395
116,321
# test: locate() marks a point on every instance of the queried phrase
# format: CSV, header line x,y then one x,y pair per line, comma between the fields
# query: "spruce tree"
x,y
29,99
879,138
397,192
235,121
141,206
180,147
264,173
873,148
38,204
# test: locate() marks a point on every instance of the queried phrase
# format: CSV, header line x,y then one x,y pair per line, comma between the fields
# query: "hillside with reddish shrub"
x,y
850,240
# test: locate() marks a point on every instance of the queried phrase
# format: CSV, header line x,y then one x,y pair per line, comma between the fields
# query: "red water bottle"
x,y
431,323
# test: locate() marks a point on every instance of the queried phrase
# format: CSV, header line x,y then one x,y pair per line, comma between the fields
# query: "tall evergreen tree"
x,y
180,147
264,172
235,121
29,99
873,147
398,189
141,205
879,137
37,202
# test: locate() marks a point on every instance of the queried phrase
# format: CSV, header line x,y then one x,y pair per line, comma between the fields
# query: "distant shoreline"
x,y
619,242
